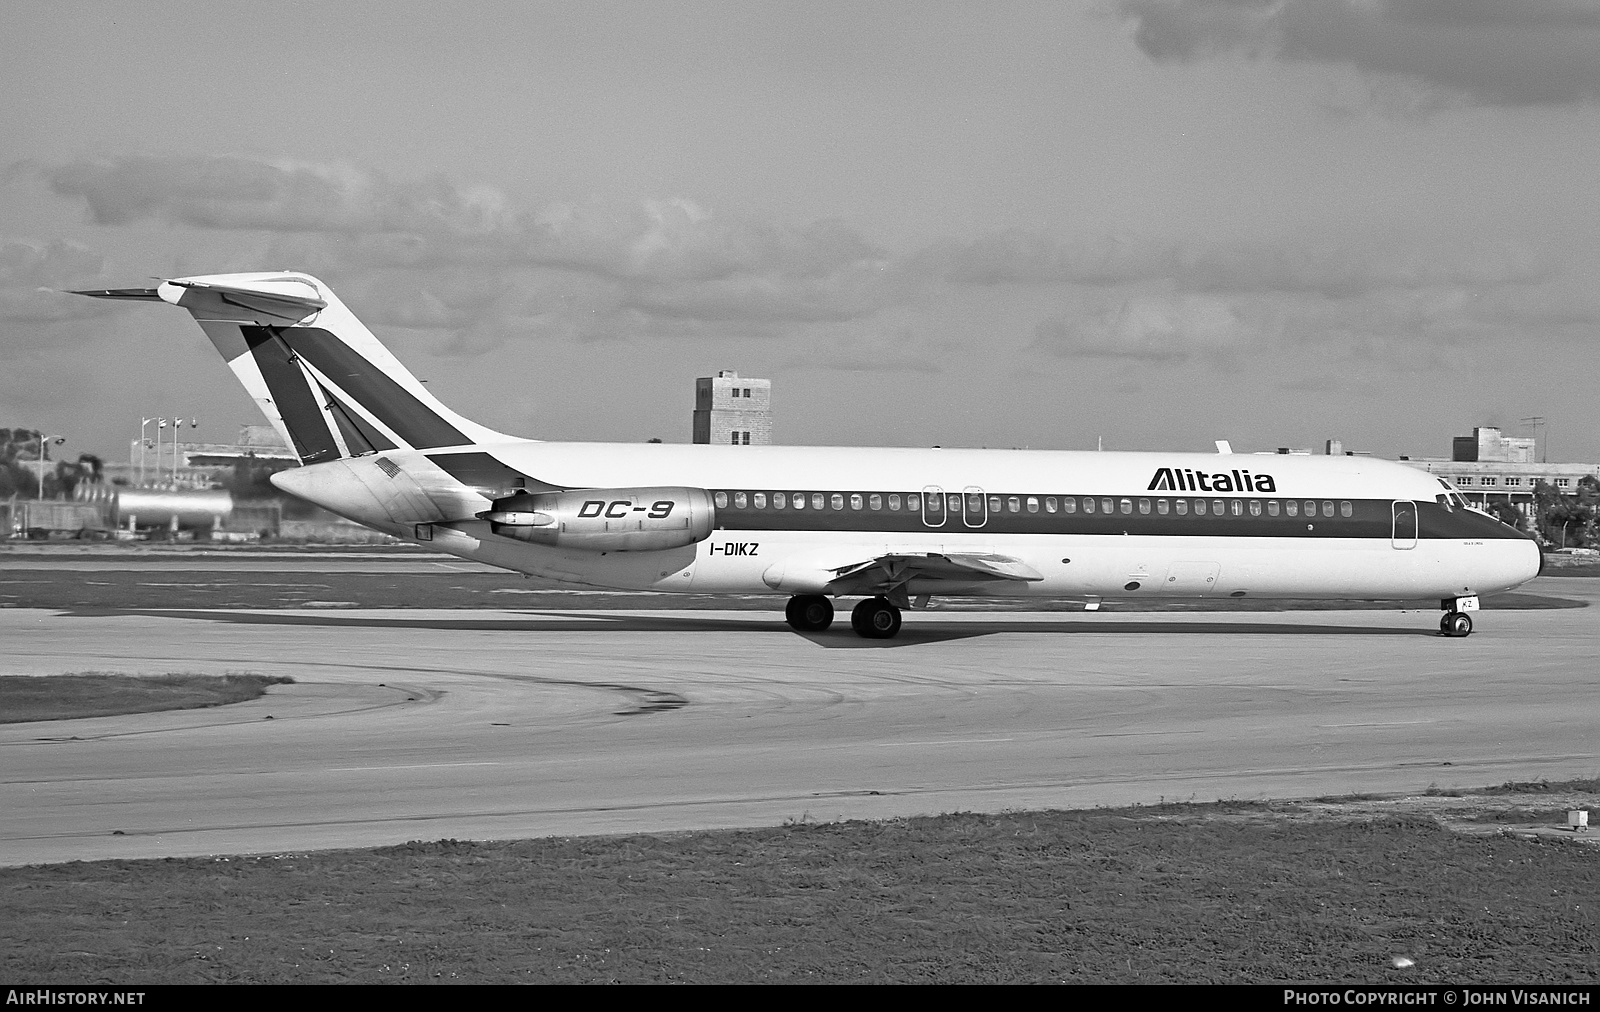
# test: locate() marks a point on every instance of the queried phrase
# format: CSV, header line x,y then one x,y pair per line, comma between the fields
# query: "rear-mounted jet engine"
x,y
605,519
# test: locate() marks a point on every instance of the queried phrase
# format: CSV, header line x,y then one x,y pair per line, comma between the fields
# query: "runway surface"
x,y
429,724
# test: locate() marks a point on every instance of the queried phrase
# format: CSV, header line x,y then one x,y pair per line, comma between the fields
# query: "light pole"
x,y
161,423
43,439
144,444
177,423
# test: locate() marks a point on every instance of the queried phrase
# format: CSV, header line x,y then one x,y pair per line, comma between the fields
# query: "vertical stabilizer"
x,y
325,382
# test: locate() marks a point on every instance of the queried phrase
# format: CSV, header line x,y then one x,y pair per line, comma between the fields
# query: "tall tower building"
x,y
732,410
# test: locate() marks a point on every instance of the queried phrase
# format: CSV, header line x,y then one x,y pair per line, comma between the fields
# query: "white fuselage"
x,y
1344,547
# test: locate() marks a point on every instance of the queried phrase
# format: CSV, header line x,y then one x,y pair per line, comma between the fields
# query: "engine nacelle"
x,y
606,519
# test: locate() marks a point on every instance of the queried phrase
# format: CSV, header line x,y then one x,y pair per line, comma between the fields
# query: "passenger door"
x,y
1404,534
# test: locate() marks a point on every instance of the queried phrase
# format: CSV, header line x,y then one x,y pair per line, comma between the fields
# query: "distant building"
x,y
732,410
1488,443
163,463
1489,466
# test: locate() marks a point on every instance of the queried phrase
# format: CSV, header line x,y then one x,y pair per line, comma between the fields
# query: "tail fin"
x,y
325,382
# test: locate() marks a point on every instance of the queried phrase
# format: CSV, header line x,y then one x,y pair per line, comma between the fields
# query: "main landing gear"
x,y
809,613
1455,621
875,618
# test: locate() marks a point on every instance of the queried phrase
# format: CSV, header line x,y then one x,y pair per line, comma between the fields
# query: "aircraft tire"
x,y
809,613
1456,623
875,618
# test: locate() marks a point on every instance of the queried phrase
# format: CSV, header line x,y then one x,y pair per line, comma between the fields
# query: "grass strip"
x,y
105,694
1229,892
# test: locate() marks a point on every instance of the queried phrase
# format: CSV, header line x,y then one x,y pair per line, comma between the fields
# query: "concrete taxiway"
x,y
495,724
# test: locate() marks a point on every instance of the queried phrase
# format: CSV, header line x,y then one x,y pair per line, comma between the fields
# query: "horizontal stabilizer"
x,y
266,298
131,294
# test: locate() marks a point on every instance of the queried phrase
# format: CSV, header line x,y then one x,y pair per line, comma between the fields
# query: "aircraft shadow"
x,y
839,637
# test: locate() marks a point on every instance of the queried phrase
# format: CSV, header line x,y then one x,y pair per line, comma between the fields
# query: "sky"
x,y
1142,224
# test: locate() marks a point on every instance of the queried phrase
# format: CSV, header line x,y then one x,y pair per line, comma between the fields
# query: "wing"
x,y
889,573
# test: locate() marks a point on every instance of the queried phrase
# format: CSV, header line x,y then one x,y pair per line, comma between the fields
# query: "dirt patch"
x,y
105,694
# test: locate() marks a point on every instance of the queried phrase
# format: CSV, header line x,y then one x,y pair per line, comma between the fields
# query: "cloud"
x,y
669,258
1492,52
1019,256
1024,256
33,277
1405,327
1342,270
228,192
1147,328
901,350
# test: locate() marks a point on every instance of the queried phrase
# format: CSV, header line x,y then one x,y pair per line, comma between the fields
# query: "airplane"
x,y
893,526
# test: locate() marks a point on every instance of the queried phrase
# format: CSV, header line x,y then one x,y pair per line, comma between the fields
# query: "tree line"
x,y
1568,520
17,445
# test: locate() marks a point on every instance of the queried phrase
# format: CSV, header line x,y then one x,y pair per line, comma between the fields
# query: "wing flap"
x,y
886,573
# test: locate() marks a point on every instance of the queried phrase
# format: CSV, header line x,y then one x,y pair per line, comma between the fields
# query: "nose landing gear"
x,y
1455,621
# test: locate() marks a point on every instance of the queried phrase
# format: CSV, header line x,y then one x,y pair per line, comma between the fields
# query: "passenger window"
x,y
1144,505
1255,507
740,501
1238,508
994,504
1199,507
1311,508
913,503
761,500
779,500
1327,507
855,500
838,501
875,501
1345,509
1182,506
816,500
1291,508
1088,504
721,499
799,500
1162,507
1216,507
952,503
1127,505
894,503
1013,505
975,504
1272,507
